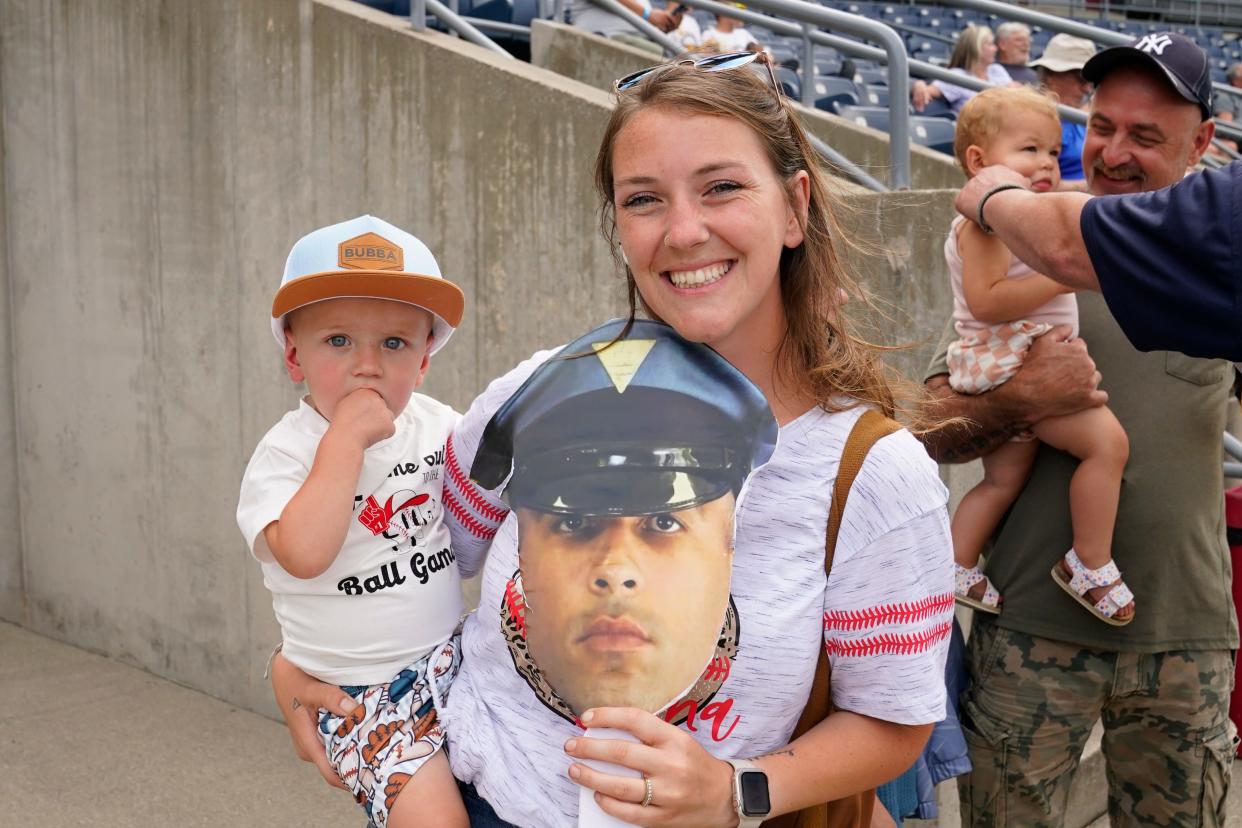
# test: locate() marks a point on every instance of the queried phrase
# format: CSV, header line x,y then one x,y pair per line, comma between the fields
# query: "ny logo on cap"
x,y
370,251
1154,43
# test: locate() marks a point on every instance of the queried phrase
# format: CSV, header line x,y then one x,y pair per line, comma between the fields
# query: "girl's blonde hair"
x,y
984,116
968,46
819,355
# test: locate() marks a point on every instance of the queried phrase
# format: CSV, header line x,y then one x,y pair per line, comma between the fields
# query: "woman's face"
x,y
987,51
702,218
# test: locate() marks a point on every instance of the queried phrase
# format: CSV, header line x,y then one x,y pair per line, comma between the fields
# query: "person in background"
x,y
688,32
1060,72
1181,294
1227,107
1013,51
1043,676
729,35
973,56
1001,307
586,15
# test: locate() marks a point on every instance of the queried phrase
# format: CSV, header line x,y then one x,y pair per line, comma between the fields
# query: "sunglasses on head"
x,y
711,63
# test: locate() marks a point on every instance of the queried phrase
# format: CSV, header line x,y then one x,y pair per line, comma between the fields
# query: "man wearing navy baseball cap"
x,y
1176,56
1168,261
1156,108
1043,676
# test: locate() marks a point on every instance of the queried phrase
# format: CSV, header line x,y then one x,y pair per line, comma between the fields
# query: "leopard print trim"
x,y
513,626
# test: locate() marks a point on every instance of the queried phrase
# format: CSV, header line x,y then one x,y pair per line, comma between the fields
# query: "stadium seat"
x,y
875,117
871,76
874,95
827,65
831,93
791,85
934,133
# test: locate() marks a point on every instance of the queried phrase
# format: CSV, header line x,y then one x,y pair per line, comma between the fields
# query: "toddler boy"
x,y
341,505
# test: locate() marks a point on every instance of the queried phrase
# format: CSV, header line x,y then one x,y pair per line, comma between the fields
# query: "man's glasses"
x,y
712,63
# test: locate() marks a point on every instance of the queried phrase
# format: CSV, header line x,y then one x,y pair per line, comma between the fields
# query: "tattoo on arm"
x,y
786,752
977,445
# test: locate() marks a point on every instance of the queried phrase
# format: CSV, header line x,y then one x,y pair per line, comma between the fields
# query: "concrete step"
x,y
86,740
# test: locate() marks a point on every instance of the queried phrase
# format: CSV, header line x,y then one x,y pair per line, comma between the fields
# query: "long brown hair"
x,y
819,355
968,47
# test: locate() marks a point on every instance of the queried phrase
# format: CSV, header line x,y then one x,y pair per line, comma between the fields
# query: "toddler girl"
x,y
1000,307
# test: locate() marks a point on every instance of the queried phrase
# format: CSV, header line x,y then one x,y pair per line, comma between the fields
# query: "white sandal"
x,y
963,579
1083,579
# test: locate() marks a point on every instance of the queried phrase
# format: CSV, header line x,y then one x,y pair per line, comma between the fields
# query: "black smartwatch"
x,y
750,793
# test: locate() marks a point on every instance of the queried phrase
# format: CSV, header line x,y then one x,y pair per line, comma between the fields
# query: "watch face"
x,y
755,800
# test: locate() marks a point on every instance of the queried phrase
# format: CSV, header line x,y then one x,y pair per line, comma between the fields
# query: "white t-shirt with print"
x,y
884,616
393,593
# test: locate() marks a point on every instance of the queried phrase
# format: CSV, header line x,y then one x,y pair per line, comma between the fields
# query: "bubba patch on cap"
x,y
370,251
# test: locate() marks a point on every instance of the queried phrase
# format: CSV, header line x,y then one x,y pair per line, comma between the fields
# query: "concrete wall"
x,y
12,589
158,160
598,61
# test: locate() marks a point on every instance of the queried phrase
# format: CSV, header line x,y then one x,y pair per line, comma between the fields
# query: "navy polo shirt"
x,y
1170,263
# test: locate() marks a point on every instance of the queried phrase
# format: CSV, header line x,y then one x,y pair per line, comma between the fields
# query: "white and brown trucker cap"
x,y
366,258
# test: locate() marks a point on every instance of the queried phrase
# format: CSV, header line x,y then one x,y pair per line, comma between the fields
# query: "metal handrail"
x,y
498,26
671,47
1224,87
1047,21
1060,24
1103,9
454,21
1233,446
898,68
845,165
899,121
921,32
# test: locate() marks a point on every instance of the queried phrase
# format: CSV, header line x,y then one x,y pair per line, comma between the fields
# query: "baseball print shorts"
x,y
392,732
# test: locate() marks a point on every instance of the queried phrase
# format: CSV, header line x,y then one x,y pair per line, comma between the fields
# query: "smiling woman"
x,y
714,199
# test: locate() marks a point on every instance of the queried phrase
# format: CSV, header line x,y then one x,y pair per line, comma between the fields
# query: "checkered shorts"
x,y
984,360
392,732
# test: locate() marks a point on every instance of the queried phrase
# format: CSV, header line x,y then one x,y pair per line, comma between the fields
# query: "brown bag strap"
x,y
871,427
856,810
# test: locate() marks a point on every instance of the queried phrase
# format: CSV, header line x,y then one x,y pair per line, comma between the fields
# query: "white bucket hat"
x,y
1065,53
366,258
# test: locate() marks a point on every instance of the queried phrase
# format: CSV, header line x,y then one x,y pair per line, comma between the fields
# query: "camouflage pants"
x,y
1168,742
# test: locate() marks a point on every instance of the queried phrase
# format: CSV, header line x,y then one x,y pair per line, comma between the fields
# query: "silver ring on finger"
x,y
650,792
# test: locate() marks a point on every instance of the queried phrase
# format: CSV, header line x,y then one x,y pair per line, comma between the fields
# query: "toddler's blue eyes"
x,y
394,343
338,341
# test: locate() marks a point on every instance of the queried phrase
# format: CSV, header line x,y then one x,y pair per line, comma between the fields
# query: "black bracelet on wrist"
x,y
983,225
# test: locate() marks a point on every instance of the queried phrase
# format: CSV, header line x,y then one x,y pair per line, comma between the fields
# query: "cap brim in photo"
x,y
1054,65
441,297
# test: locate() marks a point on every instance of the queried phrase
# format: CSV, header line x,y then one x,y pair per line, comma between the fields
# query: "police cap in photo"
x,y
647,424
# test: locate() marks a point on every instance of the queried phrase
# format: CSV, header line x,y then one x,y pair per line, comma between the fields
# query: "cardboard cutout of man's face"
x,y
625,611
623,459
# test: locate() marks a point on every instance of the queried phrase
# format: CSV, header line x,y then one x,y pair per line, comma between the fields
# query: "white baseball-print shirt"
x,y
884,616
393,593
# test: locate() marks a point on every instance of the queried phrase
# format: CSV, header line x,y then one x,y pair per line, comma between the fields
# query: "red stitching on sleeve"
x,y
889,643
468,490
909,612
467,520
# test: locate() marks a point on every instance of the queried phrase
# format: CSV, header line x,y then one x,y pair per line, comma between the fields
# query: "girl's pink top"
x,y
1062,310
